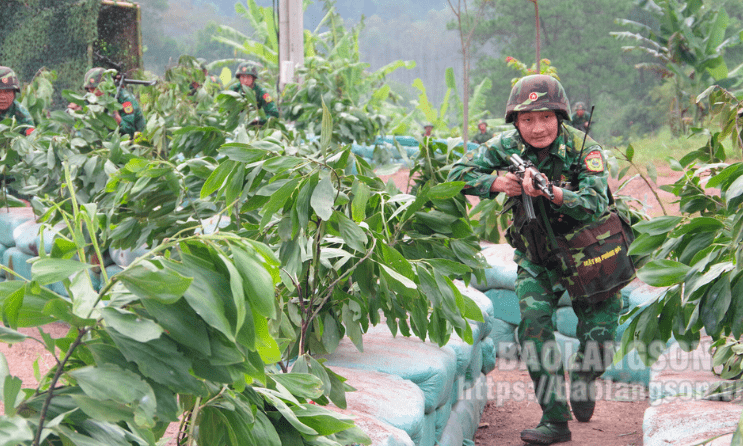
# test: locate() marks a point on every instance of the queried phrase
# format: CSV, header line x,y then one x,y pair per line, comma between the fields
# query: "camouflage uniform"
x,y
263,100
22,116
482,138
537,285
132,118
9,81
580,122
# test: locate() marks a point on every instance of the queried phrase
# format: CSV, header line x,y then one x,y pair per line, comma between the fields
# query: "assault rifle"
x,y
539,180
121,81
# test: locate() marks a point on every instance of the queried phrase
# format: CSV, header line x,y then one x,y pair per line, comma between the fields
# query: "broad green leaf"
x,y
658,225
286,411
323,198
105,410
257,282
10,336
209,293
281,163
181,323
237,289
646,243
322,420
398,277
264,431
662,272
361,193
149,282
303,385
15,430
132,325
49,270
217,178
352,234
12,395
109,382
442,191
715,304
242,153
704,224
265,344
160,361
278,200
353,327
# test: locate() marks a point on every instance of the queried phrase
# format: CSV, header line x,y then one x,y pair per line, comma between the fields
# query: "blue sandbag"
x,y
626,292
482,301
643,294
630,369
452,434
475,368
502,271
365,151
565,300
504,338
17,261
112,270
463,352
470,406
429,430
388,398
10,218
430,367
380,432
442,418
27,237
505,305
3,248
488,355
125,257
566,321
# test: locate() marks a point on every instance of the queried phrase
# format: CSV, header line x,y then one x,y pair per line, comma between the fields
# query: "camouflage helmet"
x,y
580,106
8,79
248,67
538,92
93,77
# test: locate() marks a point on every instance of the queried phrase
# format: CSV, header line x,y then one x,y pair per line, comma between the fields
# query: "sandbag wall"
x,y
411,392
500,289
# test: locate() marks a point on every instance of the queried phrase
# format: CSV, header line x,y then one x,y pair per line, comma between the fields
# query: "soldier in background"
x,y
130,119
427,129
581,117
9,107
247,75
483,135
538,108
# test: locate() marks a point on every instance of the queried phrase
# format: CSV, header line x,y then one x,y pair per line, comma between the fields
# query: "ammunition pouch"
x,y
594,258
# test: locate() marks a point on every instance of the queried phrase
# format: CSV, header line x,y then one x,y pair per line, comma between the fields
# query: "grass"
x,y
657,148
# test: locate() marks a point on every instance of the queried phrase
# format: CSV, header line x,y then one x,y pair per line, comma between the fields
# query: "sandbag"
x,y
10,218
505,305
430,367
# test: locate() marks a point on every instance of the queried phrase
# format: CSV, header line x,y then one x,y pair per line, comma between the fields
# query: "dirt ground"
x,y
512,407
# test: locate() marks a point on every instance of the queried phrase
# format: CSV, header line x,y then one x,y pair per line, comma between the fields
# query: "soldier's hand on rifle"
x,y
73,106
536,192
509,184
117,117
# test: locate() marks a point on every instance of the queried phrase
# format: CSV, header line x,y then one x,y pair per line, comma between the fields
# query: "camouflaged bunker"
x,y
69,37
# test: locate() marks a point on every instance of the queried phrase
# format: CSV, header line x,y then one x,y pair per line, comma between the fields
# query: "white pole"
x,y
291,39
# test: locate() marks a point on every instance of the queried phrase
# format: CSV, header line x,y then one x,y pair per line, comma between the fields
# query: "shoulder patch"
x,y
267,97
128,107
594,162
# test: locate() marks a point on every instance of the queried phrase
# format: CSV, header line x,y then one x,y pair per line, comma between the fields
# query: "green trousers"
x,y
539,290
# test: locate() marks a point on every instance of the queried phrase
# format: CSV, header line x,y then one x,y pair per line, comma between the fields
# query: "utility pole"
x,y
291,39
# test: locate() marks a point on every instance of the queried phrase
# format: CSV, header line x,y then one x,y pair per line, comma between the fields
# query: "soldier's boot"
x,y
547,433
582,398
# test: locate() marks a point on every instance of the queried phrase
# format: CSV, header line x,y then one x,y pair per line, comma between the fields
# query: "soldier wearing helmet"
x,y
581,117
483,135
538,109
9,107
130,119
247,75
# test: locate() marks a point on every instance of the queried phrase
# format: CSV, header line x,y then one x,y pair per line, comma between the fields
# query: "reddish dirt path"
x,y
512,407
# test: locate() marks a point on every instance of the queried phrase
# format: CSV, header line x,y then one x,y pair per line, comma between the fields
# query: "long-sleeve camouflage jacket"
x,y
586,199
132,118
22,116
263,100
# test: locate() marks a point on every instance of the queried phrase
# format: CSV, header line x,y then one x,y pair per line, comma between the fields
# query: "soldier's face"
x,y
579,112
6,99
247,80
539,128
482,127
